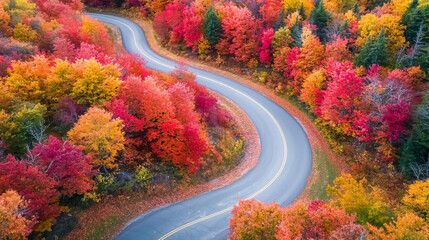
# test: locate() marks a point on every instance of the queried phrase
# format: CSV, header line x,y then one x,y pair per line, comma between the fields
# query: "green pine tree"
x,y
301,12
316,3
423,54
413,26
406,17
379,50
320,17
373,52
279,23
416,149
296,34
408,156
412,19
356,9
212,26
345,27
423,60
364,57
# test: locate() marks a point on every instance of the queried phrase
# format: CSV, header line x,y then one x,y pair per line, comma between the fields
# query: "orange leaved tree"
x,y
14,224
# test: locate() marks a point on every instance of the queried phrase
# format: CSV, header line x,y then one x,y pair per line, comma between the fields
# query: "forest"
x,y
71,102
359,67
80,119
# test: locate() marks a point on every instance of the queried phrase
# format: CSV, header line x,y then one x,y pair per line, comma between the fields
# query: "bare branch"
x,y
420,171
30,154
38,132
408,59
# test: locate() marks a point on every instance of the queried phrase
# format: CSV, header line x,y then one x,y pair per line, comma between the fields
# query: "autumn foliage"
x,y
15,224
301,220
359,68
77,113
356,211
98,135
65,164
256,220
329,54
317,220
35,187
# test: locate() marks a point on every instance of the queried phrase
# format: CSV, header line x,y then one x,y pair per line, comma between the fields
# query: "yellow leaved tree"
x,y
405,227
294,5
417,198
370,27
40,80
95,83
99,135
28,79
24,33
357,197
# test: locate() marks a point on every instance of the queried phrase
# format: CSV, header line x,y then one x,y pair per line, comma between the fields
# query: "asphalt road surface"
x,y
281,174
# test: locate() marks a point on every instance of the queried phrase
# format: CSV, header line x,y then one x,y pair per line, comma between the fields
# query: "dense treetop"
x,y
71,102
77,113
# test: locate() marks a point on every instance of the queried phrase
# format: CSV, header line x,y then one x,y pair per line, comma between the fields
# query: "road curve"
x,y
280,175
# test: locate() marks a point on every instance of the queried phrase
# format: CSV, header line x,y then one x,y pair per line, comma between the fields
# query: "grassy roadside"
x,y
324,173
325,168
102,227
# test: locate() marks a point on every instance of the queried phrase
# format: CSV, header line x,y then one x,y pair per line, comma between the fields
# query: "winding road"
x,y
280,175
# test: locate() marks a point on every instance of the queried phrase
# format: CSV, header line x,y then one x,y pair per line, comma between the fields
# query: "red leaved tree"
x,y
65,164
342,98
34,186
240,30
265,55
316,220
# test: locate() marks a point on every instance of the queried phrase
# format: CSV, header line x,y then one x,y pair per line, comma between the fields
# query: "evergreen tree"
x,y
279,23
406,17
415,152
412,19
345,29
423,59
413,26
421,13
320,17
425,16
212,26
380,49
302,12
356,9
364,57
316,3
373,52
296,34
